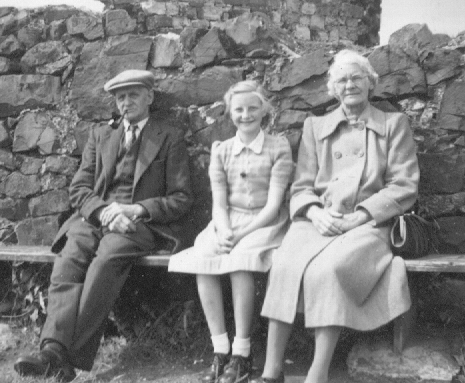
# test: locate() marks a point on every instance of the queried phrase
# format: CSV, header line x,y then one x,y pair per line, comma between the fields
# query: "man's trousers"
x,y
87,278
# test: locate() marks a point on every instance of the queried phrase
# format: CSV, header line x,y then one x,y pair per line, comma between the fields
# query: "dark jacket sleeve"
x,y
177,197
82,189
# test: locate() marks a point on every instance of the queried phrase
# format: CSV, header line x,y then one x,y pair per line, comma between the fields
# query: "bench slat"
x,y
44,255
441,263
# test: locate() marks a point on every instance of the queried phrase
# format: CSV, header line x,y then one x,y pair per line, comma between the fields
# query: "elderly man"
x,y
132,183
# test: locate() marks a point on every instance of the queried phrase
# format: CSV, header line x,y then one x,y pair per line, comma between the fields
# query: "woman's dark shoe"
x,y
211,374
47,362
237,370
261,379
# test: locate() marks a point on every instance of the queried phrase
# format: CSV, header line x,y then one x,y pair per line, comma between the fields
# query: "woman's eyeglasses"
x,y
356,79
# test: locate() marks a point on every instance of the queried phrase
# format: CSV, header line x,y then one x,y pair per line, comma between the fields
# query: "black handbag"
x,y
413,236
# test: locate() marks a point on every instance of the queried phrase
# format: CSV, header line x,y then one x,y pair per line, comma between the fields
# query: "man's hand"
x,y
110,212
122,224
325,221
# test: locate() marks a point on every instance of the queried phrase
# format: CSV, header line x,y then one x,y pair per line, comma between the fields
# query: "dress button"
x,y
360,126
361,154
338,155
328,203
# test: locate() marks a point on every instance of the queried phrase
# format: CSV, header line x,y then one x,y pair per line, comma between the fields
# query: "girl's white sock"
x,y
241,347
221,343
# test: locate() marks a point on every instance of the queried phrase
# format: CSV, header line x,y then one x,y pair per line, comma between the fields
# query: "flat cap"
x,y
132,77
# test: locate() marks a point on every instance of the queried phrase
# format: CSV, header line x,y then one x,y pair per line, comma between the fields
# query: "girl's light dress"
x,y
246,173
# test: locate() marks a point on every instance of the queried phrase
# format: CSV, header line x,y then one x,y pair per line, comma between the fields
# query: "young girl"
x,y
249,174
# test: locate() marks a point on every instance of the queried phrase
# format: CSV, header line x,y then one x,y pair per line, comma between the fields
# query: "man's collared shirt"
x,y
140,125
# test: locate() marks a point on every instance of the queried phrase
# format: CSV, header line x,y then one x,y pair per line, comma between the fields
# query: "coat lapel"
x,y
151,142
110,148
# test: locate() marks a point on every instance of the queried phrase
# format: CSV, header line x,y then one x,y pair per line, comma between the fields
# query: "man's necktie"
x,y
131,136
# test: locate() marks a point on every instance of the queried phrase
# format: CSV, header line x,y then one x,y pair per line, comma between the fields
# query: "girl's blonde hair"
x,y
247,86
347,56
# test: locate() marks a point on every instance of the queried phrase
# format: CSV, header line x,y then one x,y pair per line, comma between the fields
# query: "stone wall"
x,y
318,20
55,60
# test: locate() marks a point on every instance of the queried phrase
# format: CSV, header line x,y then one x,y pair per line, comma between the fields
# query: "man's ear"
x,y
151,96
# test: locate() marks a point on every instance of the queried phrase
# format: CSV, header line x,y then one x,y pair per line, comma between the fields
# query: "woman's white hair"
x,y
347,56
247,86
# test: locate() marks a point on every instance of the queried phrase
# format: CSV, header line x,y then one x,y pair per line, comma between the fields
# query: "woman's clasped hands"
x,y
330,222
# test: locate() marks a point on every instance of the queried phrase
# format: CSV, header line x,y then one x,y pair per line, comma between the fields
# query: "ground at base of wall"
x,y
121,362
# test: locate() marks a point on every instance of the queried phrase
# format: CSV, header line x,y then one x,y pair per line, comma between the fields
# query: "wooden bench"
x,y
403,325
43,254
433,263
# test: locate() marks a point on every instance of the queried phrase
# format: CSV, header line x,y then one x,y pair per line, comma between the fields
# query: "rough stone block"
x,y
18,92
7,160
158,21
166,51
118,22
289,119
441,173
302,32
440,65
17,185
98,63
32,34
50,57
37,231
317,22
59,13
10,46
55,201
213,13
13,208
52,181
308,8
154,7
34,130
88,26
5,139
209,49
200,89
295,71
30,165
452,113
411,39
426,359
61,164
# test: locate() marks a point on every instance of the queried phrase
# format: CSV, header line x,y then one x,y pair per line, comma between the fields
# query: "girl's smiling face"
x,y
246,113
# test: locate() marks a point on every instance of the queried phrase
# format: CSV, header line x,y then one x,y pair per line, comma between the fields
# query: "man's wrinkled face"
x,y
133,102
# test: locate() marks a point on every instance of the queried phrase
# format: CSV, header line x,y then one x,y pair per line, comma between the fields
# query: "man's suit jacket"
x,y
161,179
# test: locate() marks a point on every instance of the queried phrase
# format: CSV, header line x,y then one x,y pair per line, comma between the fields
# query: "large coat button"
x,y
338,155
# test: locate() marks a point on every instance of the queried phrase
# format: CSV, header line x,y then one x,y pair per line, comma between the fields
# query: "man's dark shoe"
x,y
237,370
261,379
47,362
211,374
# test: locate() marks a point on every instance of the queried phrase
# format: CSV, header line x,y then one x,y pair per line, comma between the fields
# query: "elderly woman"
x,y
357,169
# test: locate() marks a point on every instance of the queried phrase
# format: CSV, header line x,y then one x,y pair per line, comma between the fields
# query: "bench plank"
x,y
44,255
440,263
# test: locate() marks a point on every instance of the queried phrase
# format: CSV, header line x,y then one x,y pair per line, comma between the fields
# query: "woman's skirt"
x,y
251,253
350,280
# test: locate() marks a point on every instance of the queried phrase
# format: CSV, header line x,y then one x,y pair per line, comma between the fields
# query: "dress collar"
x,y
256,145
373,118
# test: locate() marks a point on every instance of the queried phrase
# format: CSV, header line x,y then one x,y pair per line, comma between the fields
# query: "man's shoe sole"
x,y
26,366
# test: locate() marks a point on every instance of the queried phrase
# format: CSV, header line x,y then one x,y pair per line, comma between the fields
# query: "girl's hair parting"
x,y
246,86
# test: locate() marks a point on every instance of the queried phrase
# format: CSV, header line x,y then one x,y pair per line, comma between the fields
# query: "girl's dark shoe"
x,y
261,379
237,370
211,374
